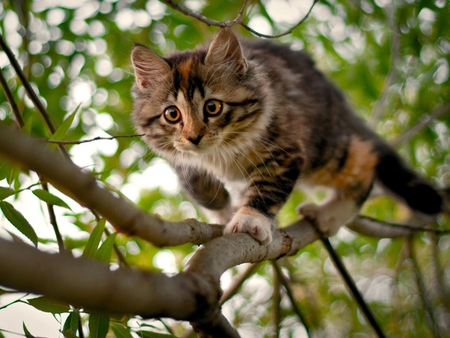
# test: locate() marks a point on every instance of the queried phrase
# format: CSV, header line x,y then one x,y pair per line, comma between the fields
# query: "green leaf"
x,y
104,252
61,132
152,334
98,324
48,305
69,334
6,192
3,291
93,241
17,219
49,198
71,324
27,333
120,331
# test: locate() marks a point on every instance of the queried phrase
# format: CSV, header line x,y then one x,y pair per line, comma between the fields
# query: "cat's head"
x,y
202,101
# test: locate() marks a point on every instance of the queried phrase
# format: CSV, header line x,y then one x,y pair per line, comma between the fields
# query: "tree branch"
x,y
83,187
351,286
424,121
90,284
285,281
375,228
40,107
430,319
237,283
98,138
11,100
237,21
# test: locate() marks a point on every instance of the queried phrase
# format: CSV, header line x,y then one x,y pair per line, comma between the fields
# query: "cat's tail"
x,y
401,180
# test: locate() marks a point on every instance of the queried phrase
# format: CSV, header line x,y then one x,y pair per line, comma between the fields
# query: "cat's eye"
x,y
172,114
213,107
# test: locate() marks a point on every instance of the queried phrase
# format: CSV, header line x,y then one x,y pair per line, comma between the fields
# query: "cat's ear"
x,y
149,67
226,49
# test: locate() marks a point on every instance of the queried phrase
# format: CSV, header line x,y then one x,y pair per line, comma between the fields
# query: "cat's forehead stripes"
x,y
186,79
184,69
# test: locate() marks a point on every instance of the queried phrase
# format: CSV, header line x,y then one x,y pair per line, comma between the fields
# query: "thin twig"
x,y
351,286
11,101
34,98
237,282
289,31
276,301
198,16
284,280
407,227
98,138
431,321
425,120
442,308
53,221
40,107
237,21
122,260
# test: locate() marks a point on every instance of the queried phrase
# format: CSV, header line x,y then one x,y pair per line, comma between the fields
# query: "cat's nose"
x,y
195,139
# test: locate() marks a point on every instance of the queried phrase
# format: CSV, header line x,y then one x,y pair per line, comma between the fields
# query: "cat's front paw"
x,y
324,220
254,223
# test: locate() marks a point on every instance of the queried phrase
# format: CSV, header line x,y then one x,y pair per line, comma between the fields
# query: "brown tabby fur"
x,y
260,118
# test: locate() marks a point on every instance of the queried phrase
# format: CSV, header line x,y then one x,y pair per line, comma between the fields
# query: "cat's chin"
x,y
195,150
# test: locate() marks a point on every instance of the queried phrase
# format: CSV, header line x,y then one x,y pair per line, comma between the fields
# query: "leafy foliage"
x,y
390,58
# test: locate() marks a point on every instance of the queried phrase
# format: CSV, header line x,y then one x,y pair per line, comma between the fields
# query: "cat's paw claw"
x,y
325,222
258,226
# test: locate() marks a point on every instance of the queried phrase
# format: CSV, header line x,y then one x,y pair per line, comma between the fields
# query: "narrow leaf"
x,y
48,305
69,334
17,219
120,331
104,252
61,132
93,241
71,324
6,192
27,333
98,325
49,198
4,292
152,334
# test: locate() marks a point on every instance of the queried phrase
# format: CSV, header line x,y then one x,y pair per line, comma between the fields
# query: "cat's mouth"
x,y
190,148
200,147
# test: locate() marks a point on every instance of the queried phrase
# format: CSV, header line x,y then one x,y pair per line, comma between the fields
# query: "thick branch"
x,y
83,187
93,285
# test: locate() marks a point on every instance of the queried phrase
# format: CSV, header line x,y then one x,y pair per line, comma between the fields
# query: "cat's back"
x,y
280,59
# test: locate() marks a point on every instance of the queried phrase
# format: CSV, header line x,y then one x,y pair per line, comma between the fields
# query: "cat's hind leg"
x,y
329,216
351,179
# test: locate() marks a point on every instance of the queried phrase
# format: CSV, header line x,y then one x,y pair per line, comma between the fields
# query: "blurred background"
x,y
391,58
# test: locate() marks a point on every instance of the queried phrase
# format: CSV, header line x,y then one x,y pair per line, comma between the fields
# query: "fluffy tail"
x,y
397,177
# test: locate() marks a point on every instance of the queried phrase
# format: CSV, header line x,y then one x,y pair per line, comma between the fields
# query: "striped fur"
x,y
260,118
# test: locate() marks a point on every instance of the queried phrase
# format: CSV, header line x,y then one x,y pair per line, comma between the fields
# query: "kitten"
x,y
260,117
